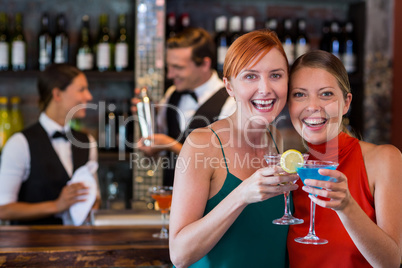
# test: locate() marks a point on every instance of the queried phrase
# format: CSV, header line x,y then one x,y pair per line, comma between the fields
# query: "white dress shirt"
x,y
188,106
16,159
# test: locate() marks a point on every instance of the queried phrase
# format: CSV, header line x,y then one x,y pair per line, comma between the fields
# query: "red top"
x,y
340,250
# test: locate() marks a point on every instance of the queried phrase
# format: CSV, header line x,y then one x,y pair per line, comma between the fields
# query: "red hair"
x,y
247,47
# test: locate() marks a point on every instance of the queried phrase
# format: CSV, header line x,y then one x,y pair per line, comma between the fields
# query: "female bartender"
x,y
37,163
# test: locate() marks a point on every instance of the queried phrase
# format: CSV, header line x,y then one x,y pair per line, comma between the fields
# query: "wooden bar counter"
x,y
82,246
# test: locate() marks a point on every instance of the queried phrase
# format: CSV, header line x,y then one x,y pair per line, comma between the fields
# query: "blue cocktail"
x,y
310,171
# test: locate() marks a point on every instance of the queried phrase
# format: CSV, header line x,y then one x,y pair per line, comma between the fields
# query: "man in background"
x,y
197,92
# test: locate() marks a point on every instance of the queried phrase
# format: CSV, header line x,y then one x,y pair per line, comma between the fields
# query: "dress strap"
x,y
224,157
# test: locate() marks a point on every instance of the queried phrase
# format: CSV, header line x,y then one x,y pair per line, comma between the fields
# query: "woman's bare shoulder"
x,y
381,158
207,136
384,151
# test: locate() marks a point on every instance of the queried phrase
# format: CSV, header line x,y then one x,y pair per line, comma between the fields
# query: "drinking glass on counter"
x,y
310,171
163,198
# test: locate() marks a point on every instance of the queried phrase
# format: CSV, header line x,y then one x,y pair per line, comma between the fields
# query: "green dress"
x,y
252,240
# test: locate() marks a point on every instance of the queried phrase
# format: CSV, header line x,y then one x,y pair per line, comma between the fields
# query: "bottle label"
x,y
349,61
301,49
221,54
61,49
121,56
4,54
85,61
18,53
103,56
44,57
59,56
290,52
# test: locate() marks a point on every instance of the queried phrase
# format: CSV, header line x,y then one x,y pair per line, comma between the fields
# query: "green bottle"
x,y
45,41
18,46
5,125
61,45
16,119
104,45
85,57
121,47
4,43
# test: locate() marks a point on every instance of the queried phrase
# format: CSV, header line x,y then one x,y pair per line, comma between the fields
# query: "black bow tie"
x,y
188,92
59,134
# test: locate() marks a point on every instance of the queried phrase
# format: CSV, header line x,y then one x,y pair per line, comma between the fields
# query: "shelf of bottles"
x,y
337,37
103,54
30,41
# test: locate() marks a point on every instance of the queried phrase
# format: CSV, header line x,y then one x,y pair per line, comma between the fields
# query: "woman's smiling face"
x,y
261,90
316,104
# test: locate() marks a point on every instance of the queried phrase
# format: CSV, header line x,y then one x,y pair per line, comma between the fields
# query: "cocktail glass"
x,y
287,218
310,171
163,198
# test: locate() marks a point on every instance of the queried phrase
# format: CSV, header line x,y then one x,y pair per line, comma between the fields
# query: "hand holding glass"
x,y
163,198
287,218
310,171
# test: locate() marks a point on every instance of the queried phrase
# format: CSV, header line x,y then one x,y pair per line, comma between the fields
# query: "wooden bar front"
x,y
83,246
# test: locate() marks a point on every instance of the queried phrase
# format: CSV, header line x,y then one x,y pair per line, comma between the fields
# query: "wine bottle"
x,y
325,42
4,43
248,24
18,45
348,55
103,47
221,41
45,43
121,47
61,45
334,44
302,44
16,120
288,40
234,28
85,60
5,126
272,24
111,126
171,25
184,21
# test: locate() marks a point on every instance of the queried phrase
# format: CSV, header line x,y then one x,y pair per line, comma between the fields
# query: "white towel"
x,y
78,212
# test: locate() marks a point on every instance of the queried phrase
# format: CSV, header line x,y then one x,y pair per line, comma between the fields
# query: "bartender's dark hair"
x,y
199,40
54,76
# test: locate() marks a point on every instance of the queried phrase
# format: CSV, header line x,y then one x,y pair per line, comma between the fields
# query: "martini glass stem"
x,y
311,231
287,204
164,231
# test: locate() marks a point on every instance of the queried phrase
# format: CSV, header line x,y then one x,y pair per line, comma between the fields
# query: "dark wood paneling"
x,y
396,130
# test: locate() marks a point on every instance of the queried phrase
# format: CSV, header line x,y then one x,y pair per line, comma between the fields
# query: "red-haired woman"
x,y
224,199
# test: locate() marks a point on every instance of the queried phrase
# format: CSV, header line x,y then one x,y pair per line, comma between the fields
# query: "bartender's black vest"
x,y
48,175
206,114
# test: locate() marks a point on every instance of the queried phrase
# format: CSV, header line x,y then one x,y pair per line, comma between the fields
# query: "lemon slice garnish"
x,y
290,160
